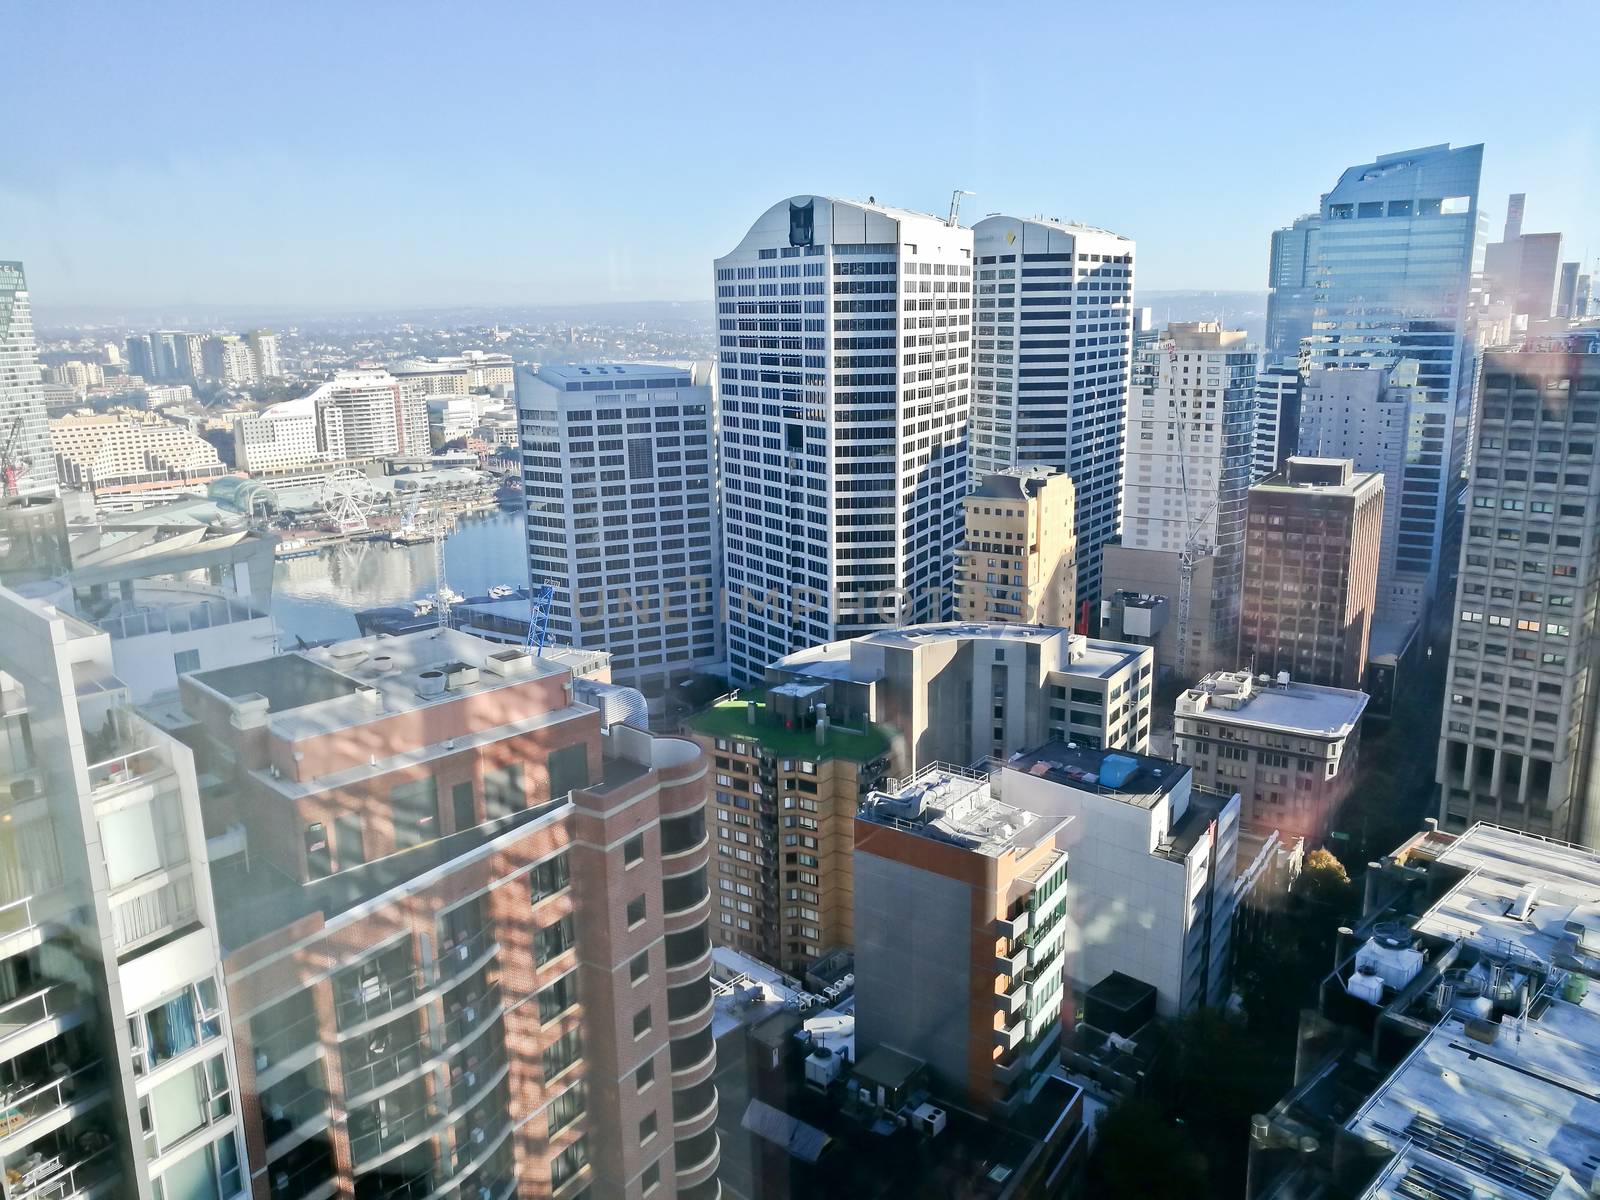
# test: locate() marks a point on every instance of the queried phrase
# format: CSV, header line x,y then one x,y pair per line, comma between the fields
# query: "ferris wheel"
x,y
346,500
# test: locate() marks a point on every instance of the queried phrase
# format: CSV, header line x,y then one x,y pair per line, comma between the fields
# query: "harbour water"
x,y
316,598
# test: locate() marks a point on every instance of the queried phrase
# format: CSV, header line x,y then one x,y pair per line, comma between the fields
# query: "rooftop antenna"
x,y
955,205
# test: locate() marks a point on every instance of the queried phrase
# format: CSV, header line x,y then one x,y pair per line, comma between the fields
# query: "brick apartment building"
x,y
465,924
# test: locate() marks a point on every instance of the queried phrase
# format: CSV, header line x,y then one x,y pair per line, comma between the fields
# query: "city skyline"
x,y
270,200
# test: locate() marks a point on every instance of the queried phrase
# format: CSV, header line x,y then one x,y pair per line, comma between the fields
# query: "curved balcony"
x,y
702,1167
693,1058
390,1139
690,1123
466,956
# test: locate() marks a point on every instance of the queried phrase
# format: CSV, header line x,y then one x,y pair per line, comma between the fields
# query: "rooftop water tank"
x,y
1394,965
1366,987
1115,769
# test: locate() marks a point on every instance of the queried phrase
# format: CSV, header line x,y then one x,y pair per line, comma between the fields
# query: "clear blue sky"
x,y
341,153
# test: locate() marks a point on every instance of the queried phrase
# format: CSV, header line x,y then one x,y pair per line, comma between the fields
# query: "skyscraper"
x,y
24,428
1054,329
1381,421
1521,272
845,337
1278,397
1191,444
1290,286
1567,291
1393,273
1311,572
1519,745
630,546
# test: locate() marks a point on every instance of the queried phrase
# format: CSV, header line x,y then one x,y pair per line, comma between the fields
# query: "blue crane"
x,y
538,618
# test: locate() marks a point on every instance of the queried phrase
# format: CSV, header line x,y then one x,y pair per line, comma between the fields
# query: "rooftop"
x,y
1514,1104
1078,655
1016,483
1325,476
729,718
625,371
1137,779
351,683
949,804
1501,865
1238,698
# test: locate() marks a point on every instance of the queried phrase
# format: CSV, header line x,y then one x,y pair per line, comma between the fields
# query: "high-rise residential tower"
x,y
844,332
1393,276
1519,745
1381,420
619,474
1018,558
1191,445
263,345
1311,572
1054,342
23,425
1291,287
117,1052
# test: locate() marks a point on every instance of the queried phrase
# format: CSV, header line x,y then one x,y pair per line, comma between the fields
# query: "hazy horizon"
x,y
296,157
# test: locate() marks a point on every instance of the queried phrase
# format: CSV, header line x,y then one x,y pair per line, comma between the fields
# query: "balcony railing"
x,y
376,997
129,766
303,1180
459,958
187,618
19,1015
29,1102
18,916
375,1142
53,1177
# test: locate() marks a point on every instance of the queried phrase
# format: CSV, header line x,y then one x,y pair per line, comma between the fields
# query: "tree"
x,y
1323,880
1141,1155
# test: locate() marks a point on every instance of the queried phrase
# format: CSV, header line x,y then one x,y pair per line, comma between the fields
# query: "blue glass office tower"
x,y
1289,287
1394,253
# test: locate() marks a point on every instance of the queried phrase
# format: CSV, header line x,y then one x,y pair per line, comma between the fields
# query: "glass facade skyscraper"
x,y
1390,278
1289,291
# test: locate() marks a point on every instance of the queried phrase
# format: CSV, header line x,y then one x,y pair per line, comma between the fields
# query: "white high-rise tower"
x,y
844,332
24,429
1053,358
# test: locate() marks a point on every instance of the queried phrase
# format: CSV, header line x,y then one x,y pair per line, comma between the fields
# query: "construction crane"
x,y
955,205
12,464
539,599
1193,548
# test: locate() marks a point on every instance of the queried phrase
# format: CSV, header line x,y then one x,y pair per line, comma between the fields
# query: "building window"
x,y
645,1075
639,967
636,911
641,1022
650,1177
633,850
647,1128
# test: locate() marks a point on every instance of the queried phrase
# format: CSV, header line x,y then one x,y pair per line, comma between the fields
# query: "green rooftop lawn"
x,y
728,719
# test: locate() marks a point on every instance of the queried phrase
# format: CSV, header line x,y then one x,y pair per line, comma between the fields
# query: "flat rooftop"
x,y
1083,768
1300,707
730,718
1522,1109
833,660
1499,863
350,683
952,805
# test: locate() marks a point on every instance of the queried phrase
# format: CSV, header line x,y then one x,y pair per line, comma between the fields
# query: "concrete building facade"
x,y
1055,330
1018,558
960,693
1519,745
1151,864
960,909
619,477
1288,749
1190,448
1382,421
1311,572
